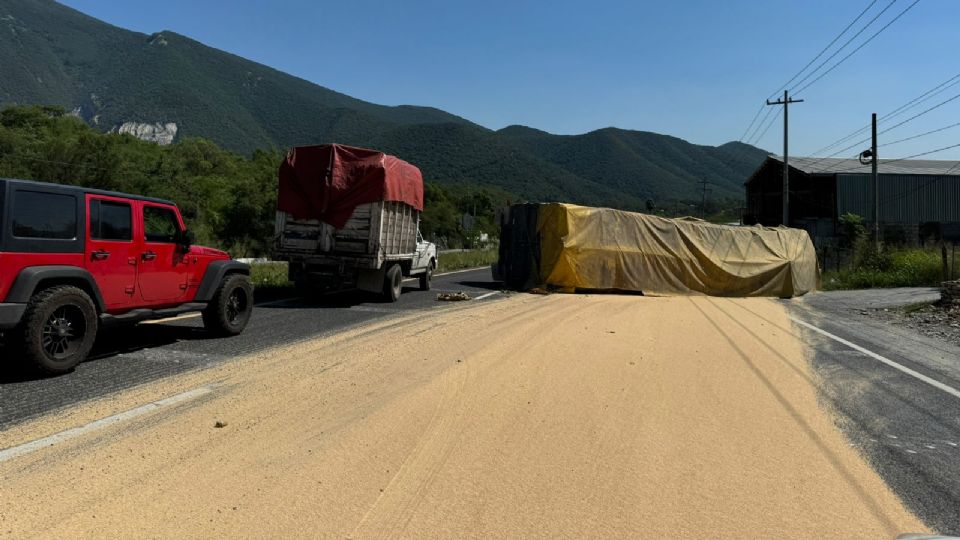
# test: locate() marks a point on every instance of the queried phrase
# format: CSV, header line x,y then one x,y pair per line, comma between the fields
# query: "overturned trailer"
x,y
569,247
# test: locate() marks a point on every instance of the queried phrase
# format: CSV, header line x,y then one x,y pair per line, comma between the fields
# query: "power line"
x,y
766,129
948,171
889,161
918,115
753,136
862,45
929,94
924,134
815,58
836,52
895,126
923,97
755,116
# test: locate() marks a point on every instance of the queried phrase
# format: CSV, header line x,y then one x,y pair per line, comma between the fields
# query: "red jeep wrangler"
x,y
71,258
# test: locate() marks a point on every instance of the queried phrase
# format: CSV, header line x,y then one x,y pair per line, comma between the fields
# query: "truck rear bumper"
x,y
10,315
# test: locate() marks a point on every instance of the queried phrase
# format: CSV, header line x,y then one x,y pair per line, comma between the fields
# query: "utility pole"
x,y
786,101
876,184
875,176
703,201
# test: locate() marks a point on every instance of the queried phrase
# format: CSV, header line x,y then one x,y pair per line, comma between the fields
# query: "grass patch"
x,y
468,259
270,280
269,274
900,268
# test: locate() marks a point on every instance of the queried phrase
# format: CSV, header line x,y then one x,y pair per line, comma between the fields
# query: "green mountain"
x,y
116,79
643,164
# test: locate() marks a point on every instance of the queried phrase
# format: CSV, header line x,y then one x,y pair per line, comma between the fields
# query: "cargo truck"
x,y
348,218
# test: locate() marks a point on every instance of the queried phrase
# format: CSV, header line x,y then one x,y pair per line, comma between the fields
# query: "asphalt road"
x,y
126,356
908,430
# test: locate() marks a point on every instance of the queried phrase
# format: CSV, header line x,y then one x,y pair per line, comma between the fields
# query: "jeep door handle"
x,y
100,255
148,256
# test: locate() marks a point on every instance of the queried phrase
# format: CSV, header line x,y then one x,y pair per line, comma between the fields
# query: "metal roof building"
x,y
911,193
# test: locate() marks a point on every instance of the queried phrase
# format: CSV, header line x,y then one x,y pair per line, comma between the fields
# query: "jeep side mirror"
x,y
186,240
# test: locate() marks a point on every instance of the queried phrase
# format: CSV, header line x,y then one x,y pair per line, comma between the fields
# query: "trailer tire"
x,y
393,283
427,276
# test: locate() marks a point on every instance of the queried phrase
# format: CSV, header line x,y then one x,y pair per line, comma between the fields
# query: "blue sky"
x,y
696,69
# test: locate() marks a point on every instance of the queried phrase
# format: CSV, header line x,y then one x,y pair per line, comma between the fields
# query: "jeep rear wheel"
x,y
229,311
58,329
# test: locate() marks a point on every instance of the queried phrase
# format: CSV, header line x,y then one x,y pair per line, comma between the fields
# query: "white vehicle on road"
x,y
349,217
379,246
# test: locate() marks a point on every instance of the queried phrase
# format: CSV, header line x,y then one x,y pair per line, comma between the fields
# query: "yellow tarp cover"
x,y
600,248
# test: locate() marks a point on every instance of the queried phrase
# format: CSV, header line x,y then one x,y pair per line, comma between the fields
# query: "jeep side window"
x,y
44,215
160,225
110,221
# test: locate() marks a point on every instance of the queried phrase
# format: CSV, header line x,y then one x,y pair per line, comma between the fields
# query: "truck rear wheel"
x,y
393,283
229,311
58,329
427,276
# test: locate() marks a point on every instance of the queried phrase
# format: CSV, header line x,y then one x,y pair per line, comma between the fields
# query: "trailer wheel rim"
x,y
64,332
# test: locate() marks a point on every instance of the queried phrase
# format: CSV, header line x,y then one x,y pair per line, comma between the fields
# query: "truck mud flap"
x,y
371,279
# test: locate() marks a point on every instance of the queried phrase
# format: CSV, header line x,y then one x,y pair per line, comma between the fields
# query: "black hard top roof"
x,y
87,190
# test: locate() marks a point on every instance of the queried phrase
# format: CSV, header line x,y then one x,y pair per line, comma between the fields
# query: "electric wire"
x,y
895,126
862,45
842,47
825,49
929,94
755,116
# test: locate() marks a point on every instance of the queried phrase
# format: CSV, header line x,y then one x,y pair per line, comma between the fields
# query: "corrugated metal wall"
x,y
903,198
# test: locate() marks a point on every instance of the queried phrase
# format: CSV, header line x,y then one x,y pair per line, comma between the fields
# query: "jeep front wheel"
x,y
58,329
229,311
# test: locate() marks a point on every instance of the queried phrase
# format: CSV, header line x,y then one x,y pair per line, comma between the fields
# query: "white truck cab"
x,y
425,260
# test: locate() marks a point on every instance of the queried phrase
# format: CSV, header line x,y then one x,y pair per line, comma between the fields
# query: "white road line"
x,y
451,272
488,295
919,376
475,268
72,433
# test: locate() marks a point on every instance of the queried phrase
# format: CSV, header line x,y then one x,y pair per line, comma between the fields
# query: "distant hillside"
x,y
643,164
115,78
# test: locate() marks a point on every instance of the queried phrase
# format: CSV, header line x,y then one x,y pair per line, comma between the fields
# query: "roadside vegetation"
x,y
466,259
228,200
887,267
269,275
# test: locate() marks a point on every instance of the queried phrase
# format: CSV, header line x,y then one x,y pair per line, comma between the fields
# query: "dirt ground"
x,y
933,320
537,416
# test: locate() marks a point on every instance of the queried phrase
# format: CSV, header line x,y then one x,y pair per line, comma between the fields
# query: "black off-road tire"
x,y
393,283
57,330
230,308
427,276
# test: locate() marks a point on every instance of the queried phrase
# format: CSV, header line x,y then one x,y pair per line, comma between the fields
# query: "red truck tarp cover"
x,y
327,182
